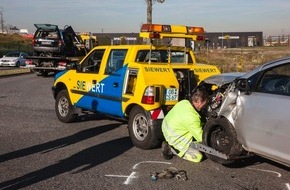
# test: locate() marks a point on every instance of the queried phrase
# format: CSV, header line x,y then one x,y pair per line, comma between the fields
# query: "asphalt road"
x,y
37,151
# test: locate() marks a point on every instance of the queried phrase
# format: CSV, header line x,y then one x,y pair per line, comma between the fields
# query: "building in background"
x,y
234,39
118,38
214,39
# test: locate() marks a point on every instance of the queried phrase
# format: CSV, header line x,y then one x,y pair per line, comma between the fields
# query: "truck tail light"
x,y
33,42
200,38
62,64
148,96
59,43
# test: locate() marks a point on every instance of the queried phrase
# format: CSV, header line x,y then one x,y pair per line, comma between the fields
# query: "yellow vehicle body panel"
x,y
155,74
140,83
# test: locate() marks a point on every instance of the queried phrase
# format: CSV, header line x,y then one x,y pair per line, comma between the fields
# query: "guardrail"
x,y
8,72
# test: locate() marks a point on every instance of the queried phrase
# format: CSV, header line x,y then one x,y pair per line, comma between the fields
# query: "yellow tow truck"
x,y
139,83
88,40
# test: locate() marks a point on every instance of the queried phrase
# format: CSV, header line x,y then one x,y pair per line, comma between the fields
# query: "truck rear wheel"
x,y
141,133
44,73
64,109
218,133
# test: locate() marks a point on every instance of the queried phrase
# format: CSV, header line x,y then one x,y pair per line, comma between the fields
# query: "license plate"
x,y
46,43
171,94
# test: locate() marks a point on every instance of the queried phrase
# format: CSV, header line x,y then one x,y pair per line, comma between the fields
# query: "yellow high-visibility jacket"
x,y
181,125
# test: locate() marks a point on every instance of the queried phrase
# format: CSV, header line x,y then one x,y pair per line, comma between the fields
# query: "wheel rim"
x,y
63,106
140,127
220,139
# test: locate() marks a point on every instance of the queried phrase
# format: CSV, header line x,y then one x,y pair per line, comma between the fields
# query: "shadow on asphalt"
x,y
84,159
250,161
255,160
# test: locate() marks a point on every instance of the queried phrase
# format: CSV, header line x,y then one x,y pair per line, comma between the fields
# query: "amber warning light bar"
x,y
171,31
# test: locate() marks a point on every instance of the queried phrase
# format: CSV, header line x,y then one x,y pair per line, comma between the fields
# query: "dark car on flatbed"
x,y
53,41
54,48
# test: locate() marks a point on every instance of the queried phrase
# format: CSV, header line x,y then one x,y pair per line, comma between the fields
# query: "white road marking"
x,y
287,186
154,162
134,175
118,176
270,171
129,179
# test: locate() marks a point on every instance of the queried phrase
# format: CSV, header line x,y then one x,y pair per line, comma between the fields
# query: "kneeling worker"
x,y
182,125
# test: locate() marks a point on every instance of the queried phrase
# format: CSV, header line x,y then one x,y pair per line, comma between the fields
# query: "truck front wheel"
x,y
141,133
63,107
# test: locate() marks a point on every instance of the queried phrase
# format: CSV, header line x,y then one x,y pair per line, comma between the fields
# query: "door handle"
x,y
116,84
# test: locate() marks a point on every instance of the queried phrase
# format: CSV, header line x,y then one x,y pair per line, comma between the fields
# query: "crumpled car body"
x,y
255,106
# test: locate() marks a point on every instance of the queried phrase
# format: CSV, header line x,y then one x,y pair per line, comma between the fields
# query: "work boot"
x,y
166,151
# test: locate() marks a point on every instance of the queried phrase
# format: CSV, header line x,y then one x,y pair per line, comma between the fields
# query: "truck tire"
x,y
64,109
141,133
44,73
218,133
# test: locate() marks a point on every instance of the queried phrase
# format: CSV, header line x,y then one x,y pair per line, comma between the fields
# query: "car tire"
x,y
218,133
64,109
141,133
17,64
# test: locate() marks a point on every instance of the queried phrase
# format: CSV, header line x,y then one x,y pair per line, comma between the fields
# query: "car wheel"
x,y
17,64
63,107
218,133
141,133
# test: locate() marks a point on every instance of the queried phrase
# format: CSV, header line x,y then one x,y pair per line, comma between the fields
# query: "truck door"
x,y
72,34
100,88
72,42
86,83
110,101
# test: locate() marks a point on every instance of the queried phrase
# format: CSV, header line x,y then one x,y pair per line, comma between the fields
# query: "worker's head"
x,y
199,98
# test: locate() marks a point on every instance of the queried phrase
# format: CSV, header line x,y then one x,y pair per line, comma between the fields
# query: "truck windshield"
x,y
163,56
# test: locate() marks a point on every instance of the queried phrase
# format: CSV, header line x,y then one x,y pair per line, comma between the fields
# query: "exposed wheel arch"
x,y
59,86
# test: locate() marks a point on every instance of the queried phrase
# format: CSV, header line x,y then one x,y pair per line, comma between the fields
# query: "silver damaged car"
x,y
249,114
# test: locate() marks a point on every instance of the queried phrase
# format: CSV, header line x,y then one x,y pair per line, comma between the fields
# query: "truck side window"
x,y
162,56
156,56
115,60
92,63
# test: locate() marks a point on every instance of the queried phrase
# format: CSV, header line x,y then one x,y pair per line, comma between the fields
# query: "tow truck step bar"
x,y
48,68
209,150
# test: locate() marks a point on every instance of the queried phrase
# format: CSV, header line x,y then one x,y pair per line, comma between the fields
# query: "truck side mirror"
x,y
72,66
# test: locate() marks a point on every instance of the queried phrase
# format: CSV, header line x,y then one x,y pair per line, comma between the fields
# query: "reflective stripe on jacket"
x,y
181,125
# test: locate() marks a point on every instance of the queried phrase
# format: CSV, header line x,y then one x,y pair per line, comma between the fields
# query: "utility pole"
x,y
1,19
149,13
149,9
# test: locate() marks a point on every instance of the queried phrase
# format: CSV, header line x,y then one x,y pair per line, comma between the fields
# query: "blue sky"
x,y
270,17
